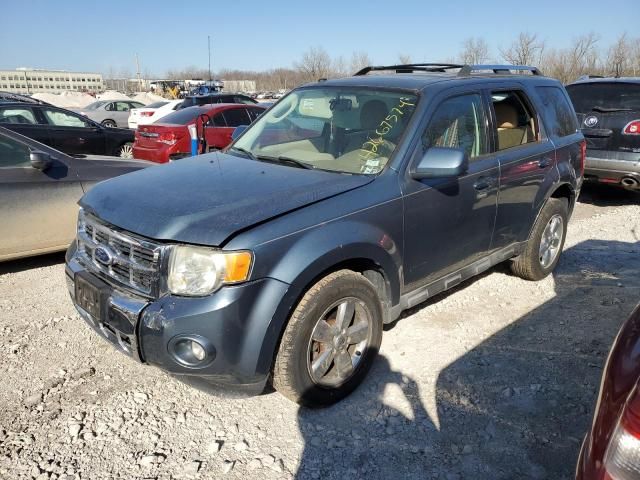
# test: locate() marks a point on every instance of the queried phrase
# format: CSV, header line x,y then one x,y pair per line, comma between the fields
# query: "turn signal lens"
x,y
238,267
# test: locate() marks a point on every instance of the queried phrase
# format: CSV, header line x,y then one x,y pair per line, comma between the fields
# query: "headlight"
x,y
198,271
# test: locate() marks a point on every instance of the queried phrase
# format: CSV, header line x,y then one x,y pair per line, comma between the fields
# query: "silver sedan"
x,y
110,113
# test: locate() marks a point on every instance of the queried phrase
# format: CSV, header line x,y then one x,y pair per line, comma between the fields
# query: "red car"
x,y
611,449
169,139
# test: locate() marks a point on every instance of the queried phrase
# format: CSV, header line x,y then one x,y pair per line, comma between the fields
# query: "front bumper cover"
x,y
236,320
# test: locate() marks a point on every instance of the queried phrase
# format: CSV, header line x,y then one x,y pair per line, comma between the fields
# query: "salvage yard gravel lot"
x,y
495,379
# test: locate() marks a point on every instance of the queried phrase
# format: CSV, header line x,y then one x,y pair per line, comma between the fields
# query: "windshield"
x,y
156,105
353,130
586,96
95,105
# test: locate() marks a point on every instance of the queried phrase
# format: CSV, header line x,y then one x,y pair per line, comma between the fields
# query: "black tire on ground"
x,y
291,374
109,123
528,264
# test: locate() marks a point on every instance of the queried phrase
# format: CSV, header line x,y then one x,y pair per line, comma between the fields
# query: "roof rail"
x,y
463,70
410,68
497,69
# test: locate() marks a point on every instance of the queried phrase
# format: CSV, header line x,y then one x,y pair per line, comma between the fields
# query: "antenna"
x,y
209,46
138,73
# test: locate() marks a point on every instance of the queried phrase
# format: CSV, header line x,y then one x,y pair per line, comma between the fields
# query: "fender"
x,y
311,255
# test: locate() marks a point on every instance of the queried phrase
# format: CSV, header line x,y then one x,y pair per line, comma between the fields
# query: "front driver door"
x,y
72,133
38,210
449,221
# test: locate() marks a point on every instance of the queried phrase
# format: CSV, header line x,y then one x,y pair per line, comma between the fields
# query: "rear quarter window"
x,y
560,118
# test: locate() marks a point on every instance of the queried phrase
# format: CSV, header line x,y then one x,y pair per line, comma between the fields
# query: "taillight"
x,y
622,460
169,138
146,114
583,155
632,128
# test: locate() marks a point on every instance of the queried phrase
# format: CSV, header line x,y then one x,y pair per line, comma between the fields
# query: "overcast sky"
x,y
258,35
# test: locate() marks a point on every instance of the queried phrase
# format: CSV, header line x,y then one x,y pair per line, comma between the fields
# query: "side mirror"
x,y
238,131
40,160
439,162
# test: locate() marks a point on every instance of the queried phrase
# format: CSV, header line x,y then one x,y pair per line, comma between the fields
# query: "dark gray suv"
x,y
347,202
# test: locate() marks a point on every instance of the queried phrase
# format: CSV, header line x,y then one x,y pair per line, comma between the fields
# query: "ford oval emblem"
x,y
591,121
103,256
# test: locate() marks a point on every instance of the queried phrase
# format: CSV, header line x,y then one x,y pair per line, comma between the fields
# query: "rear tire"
x,y
331,340
544,247
126,150
109,123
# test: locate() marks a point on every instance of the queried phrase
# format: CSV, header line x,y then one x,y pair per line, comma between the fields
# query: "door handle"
x,y
544,162
482,184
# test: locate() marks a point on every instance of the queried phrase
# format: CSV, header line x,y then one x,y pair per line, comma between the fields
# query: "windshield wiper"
x,y
248,153
284,159
612,109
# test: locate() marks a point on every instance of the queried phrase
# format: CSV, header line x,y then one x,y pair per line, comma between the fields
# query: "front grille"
x,y
130,261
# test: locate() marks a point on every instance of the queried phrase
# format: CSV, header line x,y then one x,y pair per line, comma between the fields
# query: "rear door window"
x,y
516,122
254,113
17,115
218,120
560,119
237,117
60,118
603,96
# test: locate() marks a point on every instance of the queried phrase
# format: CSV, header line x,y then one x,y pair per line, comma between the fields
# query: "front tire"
x,y
543,250
331,340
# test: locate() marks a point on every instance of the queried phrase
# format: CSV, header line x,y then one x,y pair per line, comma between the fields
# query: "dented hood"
x,y
205,200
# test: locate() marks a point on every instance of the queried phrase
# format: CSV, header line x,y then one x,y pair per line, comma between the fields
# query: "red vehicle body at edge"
x,y
170,140
611,449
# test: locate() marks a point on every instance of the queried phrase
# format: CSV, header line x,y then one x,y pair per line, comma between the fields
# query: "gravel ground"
x,y
495,379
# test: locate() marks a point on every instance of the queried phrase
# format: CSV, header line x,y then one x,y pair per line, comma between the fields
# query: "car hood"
x,y
207,199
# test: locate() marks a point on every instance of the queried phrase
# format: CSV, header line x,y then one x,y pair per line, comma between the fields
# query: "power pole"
x,y
138,73
209,46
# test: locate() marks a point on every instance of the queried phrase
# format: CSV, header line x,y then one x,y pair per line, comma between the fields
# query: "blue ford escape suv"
x,y
347,202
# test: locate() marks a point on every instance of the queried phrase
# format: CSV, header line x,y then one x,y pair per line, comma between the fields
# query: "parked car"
x,y
152,113
65,130
195,100
39,192
611,448
347,202
609,114
110,113
170,140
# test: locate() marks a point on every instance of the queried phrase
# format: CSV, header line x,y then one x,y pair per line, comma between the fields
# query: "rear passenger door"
x,y
26,121
527,161
449,221
234,117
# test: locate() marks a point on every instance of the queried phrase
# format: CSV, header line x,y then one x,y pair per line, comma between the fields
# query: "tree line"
x,y
585,55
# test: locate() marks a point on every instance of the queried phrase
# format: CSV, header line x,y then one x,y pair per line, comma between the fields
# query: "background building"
x,y
29,80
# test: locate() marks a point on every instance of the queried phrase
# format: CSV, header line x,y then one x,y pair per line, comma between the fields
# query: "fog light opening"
x,y
192,351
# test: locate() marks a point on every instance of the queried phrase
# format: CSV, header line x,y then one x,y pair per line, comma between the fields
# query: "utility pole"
x,y
138,73
209,46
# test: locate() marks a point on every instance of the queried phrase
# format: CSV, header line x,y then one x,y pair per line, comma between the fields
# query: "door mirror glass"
x,y
439,162
40,160
238,131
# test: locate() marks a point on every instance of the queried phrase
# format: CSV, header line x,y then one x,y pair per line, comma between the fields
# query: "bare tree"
x,y
315,64
340,68
359,60
527,49
404,58
580,58
474,51
620,57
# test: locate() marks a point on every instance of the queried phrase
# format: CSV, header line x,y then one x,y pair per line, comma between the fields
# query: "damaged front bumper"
x,y
233,323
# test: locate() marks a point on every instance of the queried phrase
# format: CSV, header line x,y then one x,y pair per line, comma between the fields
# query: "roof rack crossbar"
x,y
497,69
410,68
463,70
